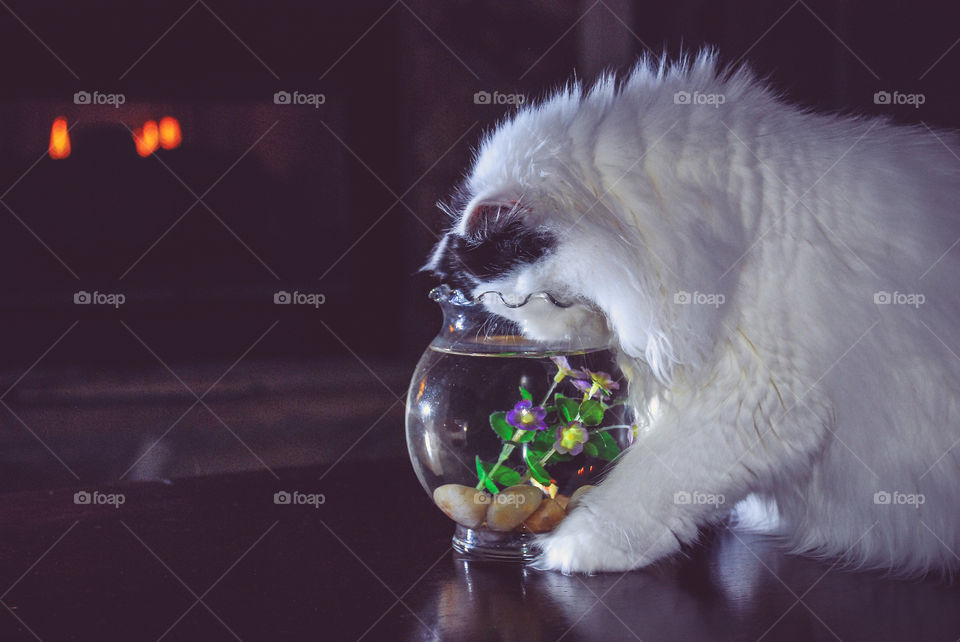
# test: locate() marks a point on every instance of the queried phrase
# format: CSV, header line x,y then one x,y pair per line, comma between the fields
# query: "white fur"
x,y
798,388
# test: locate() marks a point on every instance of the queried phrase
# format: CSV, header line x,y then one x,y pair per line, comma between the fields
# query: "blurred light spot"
x,y
425,408
147,138
59,139
170,134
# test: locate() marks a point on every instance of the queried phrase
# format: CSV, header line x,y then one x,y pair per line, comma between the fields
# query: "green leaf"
x,y
498,421
590,449
545,439
610,449
506,476
536,470
526,394
536,453
526,435
482,474
558,457
606,445
568,407
591,412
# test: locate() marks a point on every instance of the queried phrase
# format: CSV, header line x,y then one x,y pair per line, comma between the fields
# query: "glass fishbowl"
x,y
506,433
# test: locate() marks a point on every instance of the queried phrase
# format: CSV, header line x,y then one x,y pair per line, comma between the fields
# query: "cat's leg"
x,y
703,456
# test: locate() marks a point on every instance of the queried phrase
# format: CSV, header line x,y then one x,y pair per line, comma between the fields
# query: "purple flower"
x,y
600,383
564,369
570,439
583,386
526,416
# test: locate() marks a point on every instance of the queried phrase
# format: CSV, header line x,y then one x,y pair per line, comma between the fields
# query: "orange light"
x,y
59,139
151,134
170,134
147,138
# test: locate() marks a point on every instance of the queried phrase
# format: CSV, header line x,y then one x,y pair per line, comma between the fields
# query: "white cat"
x,y
782,286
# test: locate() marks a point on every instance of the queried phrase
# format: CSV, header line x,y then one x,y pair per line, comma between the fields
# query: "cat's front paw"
x,y
586,543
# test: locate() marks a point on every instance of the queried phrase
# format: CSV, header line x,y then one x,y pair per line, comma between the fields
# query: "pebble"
x,y
511,506
463,504
546,517
578,496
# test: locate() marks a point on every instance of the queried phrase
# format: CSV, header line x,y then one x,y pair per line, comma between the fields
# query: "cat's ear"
x,y
488,214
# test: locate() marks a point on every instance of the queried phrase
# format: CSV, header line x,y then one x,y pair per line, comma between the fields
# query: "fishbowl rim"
x,y
461,318
444,293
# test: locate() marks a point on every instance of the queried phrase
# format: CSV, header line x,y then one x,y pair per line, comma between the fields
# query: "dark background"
x,y
338,200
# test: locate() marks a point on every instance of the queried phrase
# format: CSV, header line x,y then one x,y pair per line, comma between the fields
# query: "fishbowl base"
x,y
478,544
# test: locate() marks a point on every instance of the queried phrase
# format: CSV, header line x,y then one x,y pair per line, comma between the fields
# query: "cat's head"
x,y
507,247
570,197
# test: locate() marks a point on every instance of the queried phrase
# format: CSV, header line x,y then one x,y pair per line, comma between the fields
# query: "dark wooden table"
x,y
216,559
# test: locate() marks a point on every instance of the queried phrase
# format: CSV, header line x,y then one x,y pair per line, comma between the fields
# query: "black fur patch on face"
x,y
465,262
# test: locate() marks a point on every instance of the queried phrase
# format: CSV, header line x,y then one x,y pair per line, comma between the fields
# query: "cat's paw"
x,y
586,543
